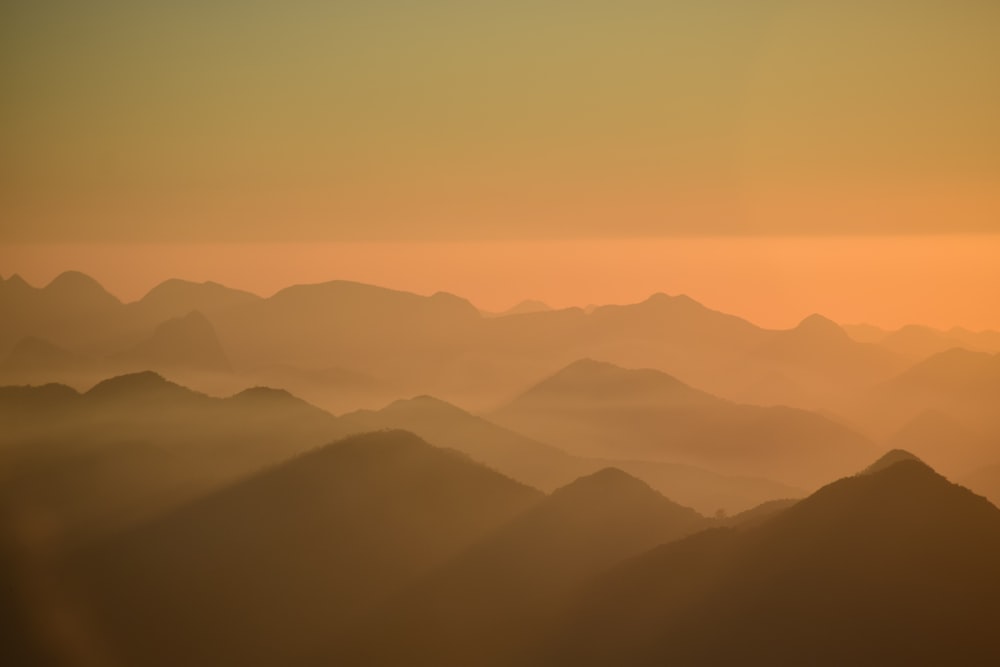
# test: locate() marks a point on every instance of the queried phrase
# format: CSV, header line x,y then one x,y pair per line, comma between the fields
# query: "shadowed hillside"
x,y
483,607
134,444
897,566
547,468
262,570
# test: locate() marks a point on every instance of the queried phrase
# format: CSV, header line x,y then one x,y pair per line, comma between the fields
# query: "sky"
x,y
785,145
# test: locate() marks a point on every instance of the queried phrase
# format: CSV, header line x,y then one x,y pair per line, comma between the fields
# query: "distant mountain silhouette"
x,y
443,346
522,458
960,387
943,440
72,288
898,566
182,343
919,342
335,388
546,467
261,571
483,607
821,361
175,298
957,369
865,333
589,383
523,308
33,356
134,445
72,311
600,410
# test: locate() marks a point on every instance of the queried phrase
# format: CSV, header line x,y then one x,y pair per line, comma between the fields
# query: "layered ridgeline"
x,y
546,467
486,606
382,549
269,568
597,409
893,566
136,445
130,446
375,344
943,408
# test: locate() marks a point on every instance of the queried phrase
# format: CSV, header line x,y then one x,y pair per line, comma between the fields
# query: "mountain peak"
x,y
527,307
604,482
889,459
15,280
76,285
589,379
422,403
269,397
662,298
817,324
189,341
33,353
137,385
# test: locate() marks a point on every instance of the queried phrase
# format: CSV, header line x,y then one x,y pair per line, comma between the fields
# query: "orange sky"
x,y
782,157
941,281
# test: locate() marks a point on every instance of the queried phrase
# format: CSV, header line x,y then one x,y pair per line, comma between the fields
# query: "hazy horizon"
x,y
940,281
347,456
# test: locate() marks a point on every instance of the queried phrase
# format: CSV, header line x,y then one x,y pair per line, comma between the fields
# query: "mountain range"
x,y
440,345
345,474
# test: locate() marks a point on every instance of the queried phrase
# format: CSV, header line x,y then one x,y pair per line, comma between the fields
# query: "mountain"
x,y
175,298
865,333
942,439
410,341
72,311
482,606
75,291
919,342
986,482
956,370
587,383
897,566
821,362
182,343
545,467
889,459
33,356
135,445
600,410
441,345
523,308
961,384
534,463
271,566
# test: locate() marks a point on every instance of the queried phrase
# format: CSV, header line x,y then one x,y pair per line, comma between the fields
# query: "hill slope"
x,y
598,409
268,567
897,566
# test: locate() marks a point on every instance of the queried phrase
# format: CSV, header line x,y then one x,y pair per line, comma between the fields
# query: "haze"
x,y
524,333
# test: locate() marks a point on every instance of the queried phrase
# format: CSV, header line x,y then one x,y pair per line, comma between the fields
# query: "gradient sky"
x,y
438,122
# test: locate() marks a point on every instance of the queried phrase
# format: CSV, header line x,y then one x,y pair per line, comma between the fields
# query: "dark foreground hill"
x,y
264,569
136,444
485,606
893,567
